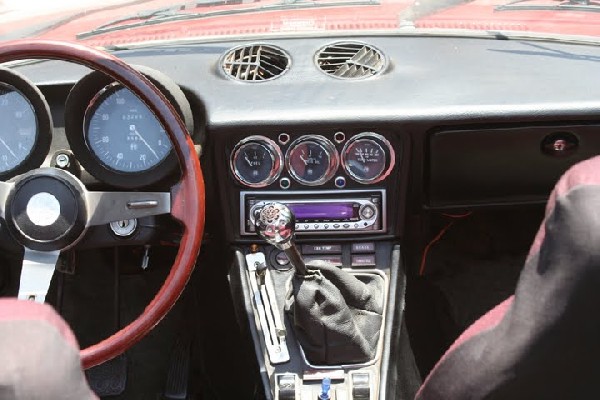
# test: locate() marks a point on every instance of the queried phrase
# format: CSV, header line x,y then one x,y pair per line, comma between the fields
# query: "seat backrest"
x,y
39,355
545,342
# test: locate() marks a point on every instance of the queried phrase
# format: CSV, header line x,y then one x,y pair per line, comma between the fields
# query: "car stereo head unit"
x,y
322,212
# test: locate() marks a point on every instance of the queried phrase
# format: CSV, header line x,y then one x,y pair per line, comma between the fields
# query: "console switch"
x,y
364,260
287,387
361,386
322,249
362,248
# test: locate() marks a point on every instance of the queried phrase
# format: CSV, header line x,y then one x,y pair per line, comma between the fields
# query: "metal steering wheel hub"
x,y
46,210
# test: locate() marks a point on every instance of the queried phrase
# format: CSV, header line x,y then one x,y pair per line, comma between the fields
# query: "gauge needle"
x,y
146,143
248,160
8,148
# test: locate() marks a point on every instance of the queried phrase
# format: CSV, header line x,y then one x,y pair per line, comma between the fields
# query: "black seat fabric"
x,y
545,342
39,355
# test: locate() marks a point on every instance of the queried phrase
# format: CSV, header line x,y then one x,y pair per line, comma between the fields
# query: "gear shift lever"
x,y
275,223
349,311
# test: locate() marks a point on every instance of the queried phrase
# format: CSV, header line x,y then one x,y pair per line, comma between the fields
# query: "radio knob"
x,y
367,211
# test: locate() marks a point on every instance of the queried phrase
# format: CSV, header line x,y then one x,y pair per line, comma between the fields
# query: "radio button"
x,y
322,249
367,212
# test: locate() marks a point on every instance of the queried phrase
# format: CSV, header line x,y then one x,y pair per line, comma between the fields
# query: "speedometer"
x,y
123,134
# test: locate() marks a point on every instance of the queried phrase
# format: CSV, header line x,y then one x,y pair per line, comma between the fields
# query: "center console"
x,y
343,188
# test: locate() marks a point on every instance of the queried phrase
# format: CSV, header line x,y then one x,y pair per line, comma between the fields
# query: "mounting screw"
x,y
62,160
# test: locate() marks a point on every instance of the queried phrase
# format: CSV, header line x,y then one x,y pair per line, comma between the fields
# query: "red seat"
x,y
543,343
39,355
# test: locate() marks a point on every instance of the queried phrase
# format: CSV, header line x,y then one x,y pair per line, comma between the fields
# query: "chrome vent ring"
x,y
255,63
350,60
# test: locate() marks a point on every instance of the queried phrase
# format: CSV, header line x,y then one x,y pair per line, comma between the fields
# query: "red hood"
x,y
381,16
65,24
485,15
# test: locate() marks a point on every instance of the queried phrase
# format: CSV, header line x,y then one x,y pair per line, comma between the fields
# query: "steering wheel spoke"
x,y
36,274
107,207
5,188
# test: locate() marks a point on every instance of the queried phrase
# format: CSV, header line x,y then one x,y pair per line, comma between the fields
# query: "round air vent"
x,y
255,63
350,60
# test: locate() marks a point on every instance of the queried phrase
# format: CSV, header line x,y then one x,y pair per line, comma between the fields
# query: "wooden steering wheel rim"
x,y
187,197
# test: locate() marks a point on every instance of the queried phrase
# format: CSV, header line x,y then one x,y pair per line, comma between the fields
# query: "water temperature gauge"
x,y
256,161
365,157
312,160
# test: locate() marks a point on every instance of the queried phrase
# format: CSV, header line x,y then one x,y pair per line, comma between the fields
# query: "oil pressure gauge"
x,y
256,161
368,158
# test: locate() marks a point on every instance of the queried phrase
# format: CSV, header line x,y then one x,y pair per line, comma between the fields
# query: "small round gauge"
x,y
365,158
123,134
312,160
256,161
19,128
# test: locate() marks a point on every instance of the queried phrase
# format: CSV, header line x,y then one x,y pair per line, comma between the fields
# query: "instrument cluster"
x,y
312,160
113,135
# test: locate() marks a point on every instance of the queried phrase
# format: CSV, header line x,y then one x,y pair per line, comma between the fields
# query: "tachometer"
x,y
312,160
123,133
365,157
256,161
25,125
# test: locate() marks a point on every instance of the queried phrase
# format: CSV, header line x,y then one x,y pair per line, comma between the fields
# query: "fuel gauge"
x,y
365,158
256,161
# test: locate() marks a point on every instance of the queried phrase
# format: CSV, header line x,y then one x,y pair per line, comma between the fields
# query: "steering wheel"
x,y
47,191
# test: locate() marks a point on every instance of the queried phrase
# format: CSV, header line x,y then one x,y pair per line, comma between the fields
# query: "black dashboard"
x,y
459,122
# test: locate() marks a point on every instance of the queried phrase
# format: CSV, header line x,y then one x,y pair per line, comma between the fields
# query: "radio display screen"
x,y
324,211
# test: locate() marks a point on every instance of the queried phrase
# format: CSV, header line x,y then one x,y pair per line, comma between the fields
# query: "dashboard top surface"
x,y
427,78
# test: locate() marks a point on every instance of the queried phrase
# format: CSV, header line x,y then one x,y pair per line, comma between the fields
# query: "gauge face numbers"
x,y
312,160
256,161
19,131
123,134
364,158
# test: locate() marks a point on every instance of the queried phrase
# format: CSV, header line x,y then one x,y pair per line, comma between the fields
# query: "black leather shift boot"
x,y
337,317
